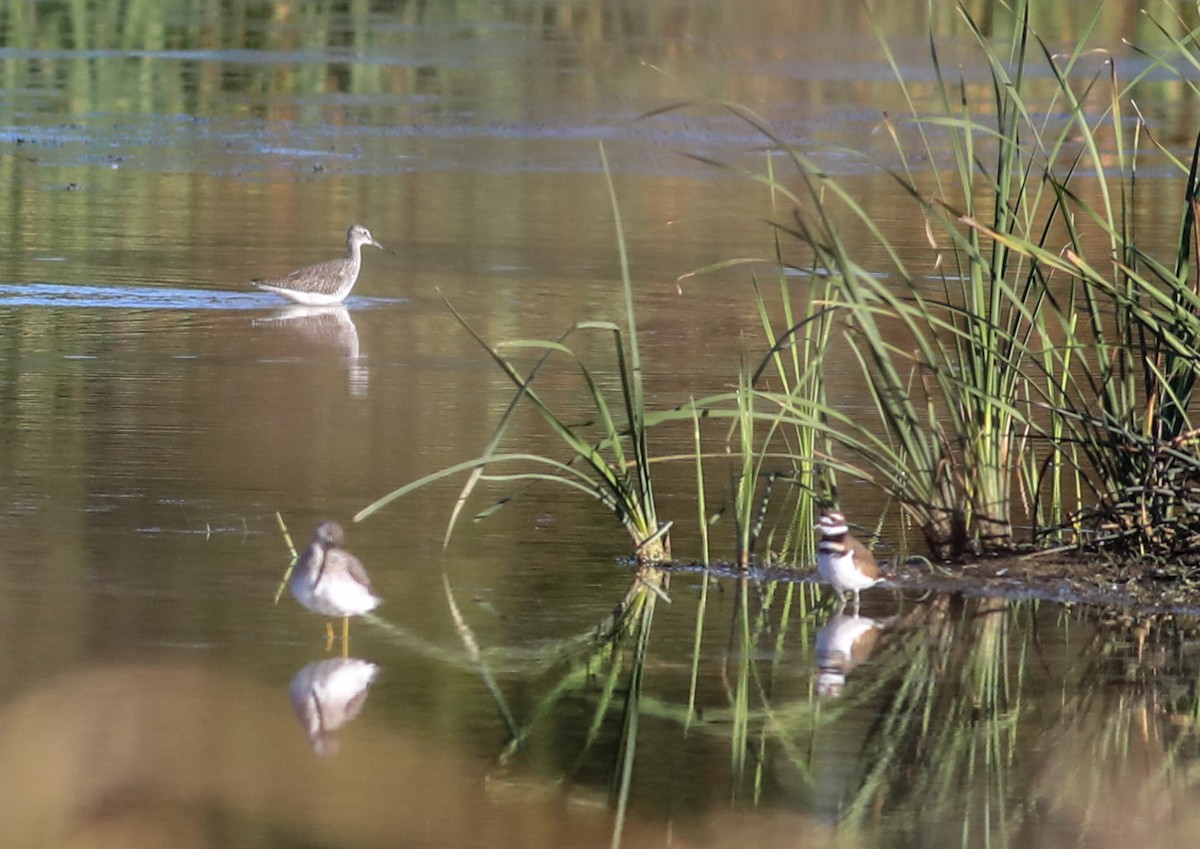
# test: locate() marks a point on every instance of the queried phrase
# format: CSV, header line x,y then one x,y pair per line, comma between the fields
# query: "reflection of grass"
x,y
946,685
627,628
630,718
948,722
1127,714
968,747
758,646
956,719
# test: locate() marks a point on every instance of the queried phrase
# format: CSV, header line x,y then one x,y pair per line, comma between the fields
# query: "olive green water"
x,y
156,413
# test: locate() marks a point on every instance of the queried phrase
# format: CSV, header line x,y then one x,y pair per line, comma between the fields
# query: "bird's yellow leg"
x,y
345,636
328,635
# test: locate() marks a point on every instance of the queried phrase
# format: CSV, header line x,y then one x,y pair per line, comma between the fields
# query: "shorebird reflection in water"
x,y
843,643
327,694
329,327
326,282
331,581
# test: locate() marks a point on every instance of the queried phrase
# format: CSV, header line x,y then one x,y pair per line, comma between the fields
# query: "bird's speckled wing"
x,y
325,277
353,567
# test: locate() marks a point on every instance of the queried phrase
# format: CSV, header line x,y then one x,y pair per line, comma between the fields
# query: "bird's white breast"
x,y
836,566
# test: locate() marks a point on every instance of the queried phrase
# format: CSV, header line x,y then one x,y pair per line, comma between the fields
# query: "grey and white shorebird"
x,y
844,562
331,581
326,282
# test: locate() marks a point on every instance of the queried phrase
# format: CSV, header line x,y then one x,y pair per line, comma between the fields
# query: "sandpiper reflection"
x,y
327,327
326,694
842,644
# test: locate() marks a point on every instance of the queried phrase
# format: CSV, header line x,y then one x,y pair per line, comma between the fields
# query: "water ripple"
x,y
150,298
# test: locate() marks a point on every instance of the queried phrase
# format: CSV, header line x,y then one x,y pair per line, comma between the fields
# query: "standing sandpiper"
x,y
331,581
326,282
842,560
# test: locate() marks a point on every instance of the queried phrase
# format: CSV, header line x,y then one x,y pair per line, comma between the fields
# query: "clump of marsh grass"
x,y
1122,381
613,469
1015,374
1070,336
950,424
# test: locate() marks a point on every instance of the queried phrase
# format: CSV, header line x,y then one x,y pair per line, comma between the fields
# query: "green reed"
x,y
1120,384
985,384
745,502
949,419
613,469
792,362
1101,378
702,605
292,557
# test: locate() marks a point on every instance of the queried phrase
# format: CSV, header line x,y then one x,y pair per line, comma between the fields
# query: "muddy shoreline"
x,y
1063,578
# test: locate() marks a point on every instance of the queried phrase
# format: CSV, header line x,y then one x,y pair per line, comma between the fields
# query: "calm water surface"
x,y
156,414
